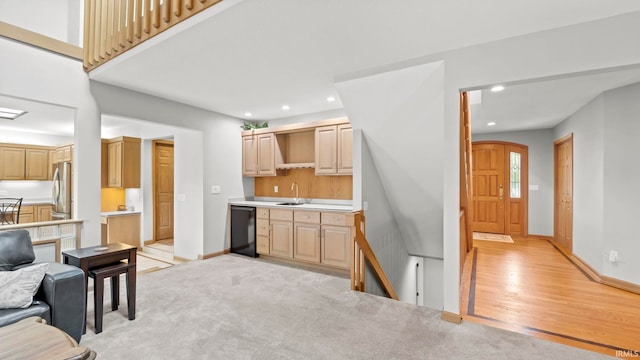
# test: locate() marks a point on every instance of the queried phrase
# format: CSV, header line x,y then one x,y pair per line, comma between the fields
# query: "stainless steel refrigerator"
x,y
61,191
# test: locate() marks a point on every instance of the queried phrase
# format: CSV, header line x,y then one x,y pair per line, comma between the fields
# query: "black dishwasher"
x,y
243,230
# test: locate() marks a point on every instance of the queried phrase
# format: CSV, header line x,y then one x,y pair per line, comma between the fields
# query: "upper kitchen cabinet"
x,y
12,163
24,162
258,155
63,153
123,162
37,164
334,150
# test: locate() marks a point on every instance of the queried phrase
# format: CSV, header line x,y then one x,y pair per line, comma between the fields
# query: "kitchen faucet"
x,y
297,198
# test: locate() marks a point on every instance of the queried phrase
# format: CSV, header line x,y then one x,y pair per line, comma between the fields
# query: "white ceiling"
x,y
257,55
260,54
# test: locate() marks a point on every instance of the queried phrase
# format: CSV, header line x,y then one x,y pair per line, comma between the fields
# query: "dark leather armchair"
x,y
61,297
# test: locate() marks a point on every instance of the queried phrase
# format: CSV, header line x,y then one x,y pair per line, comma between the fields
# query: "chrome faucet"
x,y
297,198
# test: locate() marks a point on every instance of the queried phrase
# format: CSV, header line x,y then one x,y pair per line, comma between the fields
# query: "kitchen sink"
x,y
289,203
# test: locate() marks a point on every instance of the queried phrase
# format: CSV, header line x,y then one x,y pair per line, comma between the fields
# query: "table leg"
x,y
131,292
98,298
115,292
85,268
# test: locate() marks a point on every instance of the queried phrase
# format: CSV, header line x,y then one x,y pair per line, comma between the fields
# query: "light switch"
x,y
534,187
275,188
181,197
215,189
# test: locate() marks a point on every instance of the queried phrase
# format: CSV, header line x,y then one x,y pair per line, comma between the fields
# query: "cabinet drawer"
x,y
335,218
262,244
262,227
312,217
262,213
282,215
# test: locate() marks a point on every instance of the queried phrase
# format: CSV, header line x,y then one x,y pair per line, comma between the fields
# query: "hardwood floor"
x,y
530,287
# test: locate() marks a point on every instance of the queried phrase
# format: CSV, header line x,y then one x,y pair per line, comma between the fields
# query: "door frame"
x,y
524,182
154,143
556,196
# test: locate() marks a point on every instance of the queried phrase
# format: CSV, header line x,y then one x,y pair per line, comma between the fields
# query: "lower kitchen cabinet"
x,y
306,242
262,235
335,245
35,213
123,228
281,239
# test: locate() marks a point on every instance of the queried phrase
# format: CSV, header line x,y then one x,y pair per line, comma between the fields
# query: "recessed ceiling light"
x,y
497,88
331,99
285,107
247,114
10,114
491,123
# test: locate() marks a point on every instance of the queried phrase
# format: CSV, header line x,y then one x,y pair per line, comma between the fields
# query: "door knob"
x,y
501,192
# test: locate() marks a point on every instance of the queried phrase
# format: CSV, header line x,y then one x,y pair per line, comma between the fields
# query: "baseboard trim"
x,y
181,259
451,317
149,242
212,255
540,237
595,275
620,284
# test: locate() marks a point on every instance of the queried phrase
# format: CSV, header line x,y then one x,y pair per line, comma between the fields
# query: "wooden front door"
x,y
163,190
488,187
500,188
563,190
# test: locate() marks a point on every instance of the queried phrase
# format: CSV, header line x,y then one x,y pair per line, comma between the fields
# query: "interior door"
x,y
563,183
163,190
488,187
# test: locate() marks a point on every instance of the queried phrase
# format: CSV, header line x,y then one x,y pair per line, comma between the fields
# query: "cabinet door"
x,y
44,212
12,161
281,239
27,214
249,156
326,143
114,167
345,150
266,155
262,244
37,164
336,246
306,240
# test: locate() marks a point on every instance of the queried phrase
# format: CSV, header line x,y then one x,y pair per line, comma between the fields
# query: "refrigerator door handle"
x,y
56,187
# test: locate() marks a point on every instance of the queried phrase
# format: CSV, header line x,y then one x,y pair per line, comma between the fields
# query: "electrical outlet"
x,y
275,188
215,189
181,197
613,256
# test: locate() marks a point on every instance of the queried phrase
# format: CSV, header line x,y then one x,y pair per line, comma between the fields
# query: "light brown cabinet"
x,y
333,150
123,162
35,213
23,162
12,163
309,236
281,227
37,164
121,229
262,231
258,155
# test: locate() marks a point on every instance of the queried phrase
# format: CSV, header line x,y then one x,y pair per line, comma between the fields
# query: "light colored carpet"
x,y
492,237
234,307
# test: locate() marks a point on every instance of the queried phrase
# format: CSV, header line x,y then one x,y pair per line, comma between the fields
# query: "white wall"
x,y
60,19
33,74
540,145
621,179
31,138
207,152
587,126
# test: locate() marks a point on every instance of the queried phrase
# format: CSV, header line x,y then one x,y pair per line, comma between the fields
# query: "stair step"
x,y
156,252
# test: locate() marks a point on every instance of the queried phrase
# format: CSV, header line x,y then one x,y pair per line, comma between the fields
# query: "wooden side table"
x,y
32,338
100,256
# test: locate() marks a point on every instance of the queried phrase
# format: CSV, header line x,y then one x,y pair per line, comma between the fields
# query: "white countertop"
x,y
118,213
308,206
36,201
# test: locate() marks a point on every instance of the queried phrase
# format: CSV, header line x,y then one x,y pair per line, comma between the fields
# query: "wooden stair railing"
x,y
112,27
362,251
